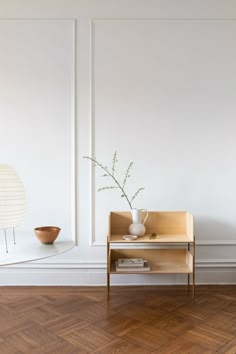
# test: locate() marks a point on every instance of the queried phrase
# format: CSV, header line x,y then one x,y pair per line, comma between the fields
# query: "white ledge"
x,y
215,242
28,248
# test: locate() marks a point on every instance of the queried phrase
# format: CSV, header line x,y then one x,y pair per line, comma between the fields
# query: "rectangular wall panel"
x,y
37,116
163,96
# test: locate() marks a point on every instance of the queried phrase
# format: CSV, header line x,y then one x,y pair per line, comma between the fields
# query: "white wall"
x,y
156,82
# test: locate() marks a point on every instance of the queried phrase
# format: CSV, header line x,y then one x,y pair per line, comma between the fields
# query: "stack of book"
x,y
132,265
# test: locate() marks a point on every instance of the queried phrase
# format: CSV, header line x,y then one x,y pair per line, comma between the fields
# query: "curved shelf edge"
x,y
29,249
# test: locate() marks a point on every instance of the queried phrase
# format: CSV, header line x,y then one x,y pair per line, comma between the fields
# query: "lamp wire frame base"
x,y
14,238
5,234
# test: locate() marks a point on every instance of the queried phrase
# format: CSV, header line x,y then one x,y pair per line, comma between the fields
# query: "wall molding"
x,y
92,137
215,243
93,242
165,20
21,276
197,243
200,263
74,117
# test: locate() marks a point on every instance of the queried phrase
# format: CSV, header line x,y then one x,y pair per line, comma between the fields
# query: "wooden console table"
x,y
172,250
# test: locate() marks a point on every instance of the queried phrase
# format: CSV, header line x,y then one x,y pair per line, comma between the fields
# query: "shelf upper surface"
x,y
171,238
158,269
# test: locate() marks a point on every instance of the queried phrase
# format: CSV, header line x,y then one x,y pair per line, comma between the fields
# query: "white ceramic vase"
x,y
137,227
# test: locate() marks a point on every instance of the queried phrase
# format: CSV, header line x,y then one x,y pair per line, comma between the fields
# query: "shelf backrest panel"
x,y
166,223
119,222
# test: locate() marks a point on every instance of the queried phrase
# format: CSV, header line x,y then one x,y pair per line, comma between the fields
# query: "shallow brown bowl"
x,y
47,234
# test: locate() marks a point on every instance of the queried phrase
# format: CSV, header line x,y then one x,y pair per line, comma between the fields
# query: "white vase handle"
x,y
145,216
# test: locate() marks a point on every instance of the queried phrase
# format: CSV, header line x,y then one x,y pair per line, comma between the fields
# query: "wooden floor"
x,y
66,320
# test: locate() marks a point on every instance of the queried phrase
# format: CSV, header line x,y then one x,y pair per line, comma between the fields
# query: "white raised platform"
x,y
28,248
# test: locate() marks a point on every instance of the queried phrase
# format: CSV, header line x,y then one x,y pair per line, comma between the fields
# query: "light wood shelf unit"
x,y
171,228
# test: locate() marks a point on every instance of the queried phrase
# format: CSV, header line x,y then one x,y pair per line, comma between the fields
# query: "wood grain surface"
x,y
157,319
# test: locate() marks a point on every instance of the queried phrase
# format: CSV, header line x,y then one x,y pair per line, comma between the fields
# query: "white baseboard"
x,y
95,275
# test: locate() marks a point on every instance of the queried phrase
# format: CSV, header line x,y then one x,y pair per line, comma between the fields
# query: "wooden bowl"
x,y
47,234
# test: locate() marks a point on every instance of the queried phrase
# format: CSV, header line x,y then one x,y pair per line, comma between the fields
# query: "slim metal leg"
x,y
108,285
108,268
14,236
5,233
188,273
193,285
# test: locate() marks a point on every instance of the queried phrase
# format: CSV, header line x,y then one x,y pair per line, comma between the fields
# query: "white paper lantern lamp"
x,y
12,200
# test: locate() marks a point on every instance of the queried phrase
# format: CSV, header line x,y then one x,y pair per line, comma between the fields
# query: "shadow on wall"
x,y
211,229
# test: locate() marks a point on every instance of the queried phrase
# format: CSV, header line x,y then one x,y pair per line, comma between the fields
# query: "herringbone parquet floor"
x,y
71,320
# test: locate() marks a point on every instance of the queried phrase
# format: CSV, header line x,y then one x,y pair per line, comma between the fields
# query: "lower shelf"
x,y
166,261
